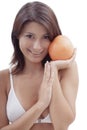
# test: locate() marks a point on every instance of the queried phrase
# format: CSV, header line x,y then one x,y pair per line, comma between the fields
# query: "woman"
x,y
37,93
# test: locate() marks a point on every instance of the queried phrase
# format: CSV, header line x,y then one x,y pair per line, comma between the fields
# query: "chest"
x,y
26,89
22,96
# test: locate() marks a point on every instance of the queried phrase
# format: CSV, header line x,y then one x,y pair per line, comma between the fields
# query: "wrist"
x,y
40,105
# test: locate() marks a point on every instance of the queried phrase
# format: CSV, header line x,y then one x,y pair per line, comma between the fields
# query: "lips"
x,y
35,53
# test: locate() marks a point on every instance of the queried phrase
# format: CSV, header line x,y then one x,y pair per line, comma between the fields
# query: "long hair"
x,y
40,13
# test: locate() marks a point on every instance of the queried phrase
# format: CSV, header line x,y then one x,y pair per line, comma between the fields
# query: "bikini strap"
x,y
11,79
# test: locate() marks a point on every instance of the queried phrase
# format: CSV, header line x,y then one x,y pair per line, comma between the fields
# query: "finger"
x,y
51,79
47,71
61,62
73,56
53,69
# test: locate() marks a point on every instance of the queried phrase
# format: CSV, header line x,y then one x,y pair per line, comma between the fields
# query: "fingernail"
x,y
47,61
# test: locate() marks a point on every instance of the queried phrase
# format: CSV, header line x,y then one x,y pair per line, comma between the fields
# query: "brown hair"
x,y
40,13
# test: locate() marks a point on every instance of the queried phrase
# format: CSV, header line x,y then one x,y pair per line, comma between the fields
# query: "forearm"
x,y
42,126
27,120
60,111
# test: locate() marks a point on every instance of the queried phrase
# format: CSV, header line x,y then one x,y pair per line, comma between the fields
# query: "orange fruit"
x,y
61,48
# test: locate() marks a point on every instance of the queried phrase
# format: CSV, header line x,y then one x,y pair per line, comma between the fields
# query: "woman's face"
x,y
34,42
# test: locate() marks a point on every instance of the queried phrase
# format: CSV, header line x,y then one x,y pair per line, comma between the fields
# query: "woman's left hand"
x,y
63,64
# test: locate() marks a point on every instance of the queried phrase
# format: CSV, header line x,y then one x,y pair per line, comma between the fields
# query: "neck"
x,y
33,68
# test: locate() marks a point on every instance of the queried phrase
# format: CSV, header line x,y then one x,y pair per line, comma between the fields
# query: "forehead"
x,y
34,27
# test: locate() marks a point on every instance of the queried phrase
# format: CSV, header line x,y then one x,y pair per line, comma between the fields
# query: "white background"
x,y
72,17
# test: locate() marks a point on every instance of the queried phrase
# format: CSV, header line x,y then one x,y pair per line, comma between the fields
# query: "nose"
x,y
37,45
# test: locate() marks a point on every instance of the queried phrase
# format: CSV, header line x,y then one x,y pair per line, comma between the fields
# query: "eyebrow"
x,y
35,34
29,33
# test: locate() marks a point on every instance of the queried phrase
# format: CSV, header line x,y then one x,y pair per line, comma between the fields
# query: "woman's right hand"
x,y
45,92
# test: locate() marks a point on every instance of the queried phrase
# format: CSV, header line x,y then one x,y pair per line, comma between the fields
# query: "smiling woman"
x,y
37,93
34,42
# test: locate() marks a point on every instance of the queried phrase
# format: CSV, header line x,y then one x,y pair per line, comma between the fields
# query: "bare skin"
x,y
55,87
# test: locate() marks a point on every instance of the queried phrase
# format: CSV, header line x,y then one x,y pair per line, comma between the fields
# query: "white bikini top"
x,y
15,109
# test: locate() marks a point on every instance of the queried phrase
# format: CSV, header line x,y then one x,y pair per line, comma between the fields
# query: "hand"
x,y
45,92
62,64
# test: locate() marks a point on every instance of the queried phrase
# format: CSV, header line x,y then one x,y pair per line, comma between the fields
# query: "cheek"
x,y
46,45
22,44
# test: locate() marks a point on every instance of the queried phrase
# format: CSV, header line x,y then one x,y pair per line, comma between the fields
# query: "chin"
x,y
36,60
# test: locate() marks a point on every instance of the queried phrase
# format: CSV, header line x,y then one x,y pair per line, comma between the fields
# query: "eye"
x,y
30,36
46,37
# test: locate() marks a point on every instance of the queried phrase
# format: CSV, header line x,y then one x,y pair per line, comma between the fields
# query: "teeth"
x,y
34,53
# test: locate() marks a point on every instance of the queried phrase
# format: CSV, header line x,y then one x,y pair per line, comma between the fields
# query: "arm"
x,y
23,123
62,107
27,120
3,98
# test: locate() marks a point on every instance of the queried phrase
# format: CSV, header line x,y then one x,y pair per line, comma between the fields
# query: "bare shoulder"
x,y
4,72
